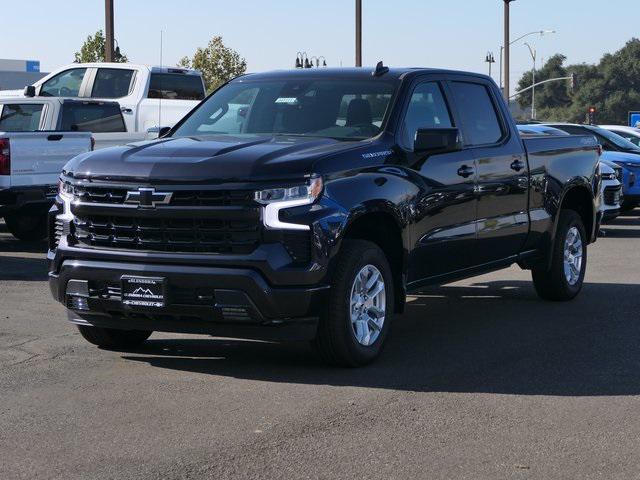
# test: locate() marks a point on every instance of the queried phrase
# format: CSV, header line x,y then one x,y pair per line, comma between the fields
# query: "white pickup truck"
x,y
150,97
30,165
104,120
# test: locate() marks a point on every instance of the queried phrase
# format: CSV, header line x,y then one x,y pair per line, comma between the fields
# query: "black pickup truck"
x,y
306,205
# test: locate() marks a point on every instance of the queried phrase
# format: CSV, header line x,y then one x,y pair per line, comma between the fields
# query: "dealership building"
x,y
15,74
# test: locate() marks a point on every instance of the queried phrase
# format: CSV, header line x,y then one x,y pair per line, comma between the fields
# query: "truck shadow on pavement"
x,y
495,337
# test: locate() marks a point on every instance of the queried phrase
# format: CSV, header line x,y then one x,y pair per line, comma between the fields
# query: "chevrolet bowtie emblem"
x,y
148,198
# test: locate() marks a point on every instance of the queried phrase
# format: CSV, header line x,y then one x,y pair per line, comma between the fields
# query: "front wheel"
x,y
113,339
564,280
356,322
27,227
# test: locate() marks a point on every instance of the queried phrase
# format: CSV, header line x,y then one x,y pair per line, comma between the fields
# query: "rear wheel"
x,y
113,339
564,280
356,322
28,227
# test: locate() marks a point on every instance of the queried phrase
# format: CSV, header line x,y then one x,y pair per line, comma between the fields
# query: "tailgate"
x,y
37,158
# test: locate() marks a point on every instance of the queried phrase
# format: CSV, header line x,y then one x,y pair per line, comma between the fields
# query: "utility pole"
x,y
109,55
507,42
358,33
534,55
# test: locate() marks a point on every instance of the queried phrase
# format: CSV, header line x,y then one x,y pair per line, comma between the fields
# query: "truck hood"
x,y
618,157
207,159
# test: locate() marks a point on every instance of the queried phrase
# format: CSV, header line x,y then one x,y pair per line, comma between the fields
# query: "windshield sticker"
x,y
287,100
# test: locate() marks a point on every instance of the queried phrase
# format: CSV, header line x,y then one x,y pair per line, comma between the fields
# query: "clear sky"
x,y
430,33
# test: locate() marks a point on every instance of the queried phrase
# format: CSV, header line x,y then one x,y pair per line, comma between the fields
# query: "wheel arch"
x,y
579,198
383,228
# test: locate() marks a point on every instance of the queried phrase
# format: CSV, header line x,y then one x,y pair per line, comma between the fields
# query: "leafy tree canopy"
x,y
93,50
612,86
217,62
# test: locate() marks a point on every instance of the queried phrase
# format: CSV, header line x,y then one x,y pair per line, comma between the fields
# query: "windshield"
x,y
617,140
344,110
632,137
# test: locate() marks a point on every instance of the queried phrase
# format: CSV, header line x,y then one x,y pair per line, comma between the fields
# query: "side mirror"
x,y
29,91
164,131
437,140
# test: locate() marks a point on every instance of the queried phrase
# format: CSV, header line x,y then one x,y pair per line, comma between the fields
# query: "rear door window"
x,y
176,86
478,114
21,117
65,84
92,117
112,83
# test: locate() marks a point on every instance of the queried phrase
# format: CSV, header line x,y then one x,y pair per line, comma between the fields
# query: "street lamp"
x,y
534,55
109,53
507,36
358,33
301,60
542,33
490,60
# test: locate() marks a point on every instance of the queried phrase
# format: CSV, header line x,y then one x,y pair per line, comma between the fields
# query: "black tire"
x,y
336,341
552,284
113,339
28,227
627,206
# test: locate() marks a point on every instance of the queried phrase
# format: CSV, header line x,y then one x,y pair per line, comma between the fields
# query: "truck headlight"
x,y
276,199
66,190
609,176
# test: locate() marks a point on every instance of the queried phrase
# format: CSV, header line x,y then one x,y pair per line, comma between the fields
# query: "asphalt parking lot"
x,y
480,380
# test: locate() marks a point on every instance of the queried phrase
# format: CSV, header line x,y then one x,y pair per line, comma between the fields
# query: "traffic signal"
x,y
574,82
591,116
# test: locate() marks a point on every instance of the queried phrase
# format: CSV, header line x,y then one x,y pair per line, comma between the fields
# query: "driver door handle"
x,y
465,171
517,165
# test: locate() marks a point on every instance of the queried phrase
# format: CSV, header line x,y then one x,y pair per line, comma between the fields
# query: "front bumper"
x,y
207,300
269,293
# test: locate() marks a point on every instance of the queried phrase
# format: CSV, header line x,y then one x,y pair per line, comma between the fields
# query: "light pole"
x,y
534,54
358,33
542,33
507,43
109,53
490,60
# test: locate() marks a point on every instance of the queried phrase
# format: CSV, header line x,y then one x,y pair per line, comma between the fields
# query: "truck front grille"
x,y
191,235
180,198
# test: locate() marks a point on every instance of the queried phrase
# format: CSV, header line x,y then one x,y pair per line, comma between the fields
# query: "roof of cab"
x,y
135,66
350,72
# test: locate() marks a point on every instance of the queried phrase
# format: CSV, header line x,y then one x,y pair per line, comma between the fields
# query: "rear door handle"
x,y
126,110
517,165
465,171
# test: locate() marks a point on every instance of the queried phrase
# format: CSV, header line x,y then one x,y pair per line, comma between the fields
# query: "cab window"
x,y
93,117
65,84
112,83
427,109
21,117
478,114
176,86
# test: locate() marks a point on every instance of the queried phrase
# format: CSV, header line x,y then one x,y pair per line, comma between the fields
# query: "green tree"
x,y
612,86
217,62
550,95
93,50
